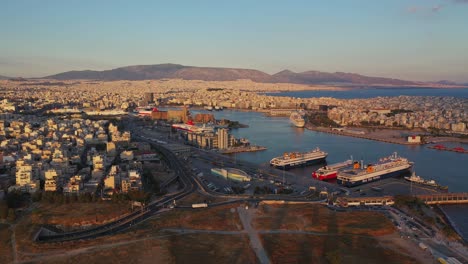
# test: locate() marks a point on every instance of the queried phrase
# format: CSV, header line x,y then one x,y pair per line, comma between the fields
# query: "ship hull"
x,y
326,177
299,164
373,179
298,124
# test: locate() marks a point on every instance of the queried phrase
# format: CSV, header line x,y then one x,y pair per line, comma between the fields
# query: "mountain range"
x,y
176,71
4,77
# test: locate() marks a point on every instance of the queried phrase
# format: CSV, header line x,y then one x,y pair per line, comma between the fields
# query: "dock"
x,y
242,149
363,136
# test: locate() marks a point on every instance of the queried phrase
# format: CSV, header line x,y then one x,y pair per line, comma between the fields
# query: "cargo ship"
x,y
296,159
329,172
297,119
391,166
418,180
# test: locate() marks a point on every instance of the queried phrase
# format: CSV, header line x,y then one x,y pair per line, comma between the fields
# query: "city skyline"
x,y
412,40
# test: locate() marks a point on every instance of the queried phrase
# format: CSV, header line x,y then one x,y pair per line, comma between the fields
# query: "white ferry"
x,y
296,159
391,166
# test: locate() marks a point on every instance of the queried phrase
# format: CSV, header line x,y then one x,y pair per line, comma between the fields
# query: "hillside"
x,y
4,77
176,71
165,71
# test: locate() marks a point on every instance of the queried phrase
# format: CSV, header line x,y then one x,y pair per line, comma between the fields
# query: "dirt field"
x,y
302,248
77,214
5,244
197,197
320,219
217,218
216,235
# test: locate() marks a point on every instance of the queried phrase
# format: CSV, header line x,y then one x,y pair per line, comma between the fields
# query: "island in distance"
x,y
177,71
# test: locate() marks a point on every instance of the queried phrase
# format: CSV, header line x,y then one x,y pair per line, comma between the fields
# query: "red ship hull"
x,y
325,177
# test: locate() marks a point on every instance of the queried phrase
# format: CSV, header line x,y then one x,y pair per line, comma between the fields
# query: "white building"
x,y
223,138
50,184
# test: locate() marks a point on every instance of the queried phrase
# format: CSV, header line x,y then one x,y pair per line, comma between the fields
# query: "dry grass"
x,y
5,244
217,218
318,218
77,214
299,248
148,251
197,197
210,248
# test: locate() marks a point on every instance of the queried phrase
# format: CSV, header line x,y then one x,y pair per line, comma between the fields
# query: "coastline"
x,y
451,223
387,135
400,141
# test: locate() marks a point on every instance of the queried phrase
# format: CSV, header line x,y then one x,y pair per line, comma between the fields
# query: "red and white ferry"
x,y
329,172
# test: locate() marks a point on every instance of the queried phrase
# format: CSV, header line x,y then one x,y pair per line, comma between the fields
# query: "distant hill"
x,y
4,77
165,71
317,77
172,71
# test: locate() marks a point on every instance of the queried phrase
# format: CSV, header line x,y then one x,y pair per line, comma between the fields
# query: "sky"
x,y
423,40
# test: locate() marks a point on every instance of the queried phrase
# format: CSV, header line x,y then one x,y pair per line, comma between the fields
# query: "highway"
x,y
189,186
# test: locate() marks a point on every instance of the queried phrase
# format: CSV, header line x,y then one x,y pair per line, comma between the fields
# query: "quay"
x,y
337,132
440,198
242,149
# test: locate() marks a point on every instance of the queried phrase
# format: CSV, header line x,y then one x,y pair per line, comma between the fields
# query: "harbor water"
x,y
279,136
375,92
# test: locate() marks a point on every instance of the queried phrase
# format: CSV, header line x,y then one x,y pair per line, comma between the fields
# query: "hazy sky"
x,y
408,39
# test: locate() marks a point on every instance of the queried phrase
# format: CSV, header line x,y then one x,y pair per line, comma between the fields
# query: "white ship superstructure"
x,y
295,159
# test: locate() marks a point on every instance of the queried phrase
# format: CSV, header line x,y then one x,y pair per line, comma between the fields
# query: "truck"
x,y
200,205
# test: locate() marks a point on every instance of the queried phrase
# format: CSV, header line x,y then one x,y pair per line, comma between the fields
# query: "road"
x,y
189,186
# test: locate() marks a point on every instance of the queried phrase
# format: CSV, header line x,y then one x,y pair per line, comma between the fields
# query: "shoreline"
x,y
386,140
243,149
399,141
451,223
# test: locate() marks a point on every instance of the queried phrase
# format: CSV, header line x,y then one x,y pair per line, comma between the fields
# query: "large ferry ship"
x,y
329,172
297,119
391,166
296,159
191,127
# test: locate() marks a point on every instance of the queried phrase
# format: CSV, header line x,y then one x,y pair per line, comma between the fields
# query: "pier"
x,y
400,141
242,149
443,198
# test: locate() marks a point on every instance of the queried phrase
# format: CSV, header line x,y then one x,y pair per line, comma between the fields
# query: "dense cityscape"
x,y
234,132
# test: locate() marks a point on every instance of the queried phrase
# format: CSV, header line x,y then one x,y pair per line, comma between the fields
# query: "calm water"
x,y
375,92
458,214
277,134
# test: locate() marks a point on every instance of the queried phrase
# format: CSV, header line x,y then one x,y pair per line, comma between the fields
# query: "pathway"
x,y
246,218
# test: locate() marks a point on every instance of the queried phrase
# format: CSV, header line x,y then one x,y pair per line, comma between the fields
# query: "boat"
x,y
296,159
391,166
297,119
209,108
147,111
329,172
419,180
191,127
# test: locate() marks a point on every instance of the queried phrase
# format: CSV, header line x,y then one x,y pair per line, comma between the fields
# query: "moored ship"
x,y
391,166
329,172
418,180
191,127
297,119
296,159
